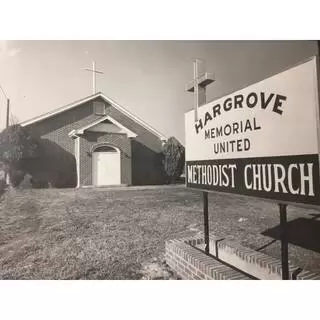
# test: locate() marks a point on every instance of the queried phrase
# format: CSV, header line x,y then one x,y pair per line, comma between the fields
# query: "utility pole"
x,y
8,105
8,112
6,175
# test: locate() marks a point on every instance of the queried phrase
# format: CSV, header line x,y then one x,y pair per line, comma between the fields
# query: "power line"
x,y
3,92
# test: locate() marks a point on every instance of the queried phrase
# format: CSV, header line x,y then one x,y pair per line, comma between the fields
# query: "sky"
x,y
146,77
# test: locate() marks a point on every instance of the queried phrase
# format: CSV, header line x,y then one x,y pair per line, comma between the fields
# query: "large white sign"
x,y
262,140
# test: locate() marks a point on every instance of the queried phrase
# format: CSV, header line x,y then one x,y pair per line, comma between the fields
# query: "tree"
x,y
17,147
174,154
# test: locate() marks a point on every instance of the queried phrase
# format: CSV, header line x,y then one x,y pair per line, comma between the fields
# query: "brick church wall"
x,y
141,159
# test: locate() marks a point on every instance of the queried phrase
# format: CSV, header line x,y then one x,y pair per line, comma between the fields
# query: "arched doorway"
x,y
106,167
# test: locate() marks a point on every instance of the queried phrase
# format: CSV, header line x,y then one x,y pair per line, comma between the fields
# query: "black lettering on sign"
x,y
227,130
255,126
235,127
227,105
216,110
232,142
198,125
238,145
252,100
207,118
238,99
219,132
264,102
246,143
278,103
248,126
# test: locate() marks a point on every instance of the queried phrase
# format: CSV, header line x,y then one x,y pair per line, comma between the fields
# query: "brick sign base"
x,y
189,262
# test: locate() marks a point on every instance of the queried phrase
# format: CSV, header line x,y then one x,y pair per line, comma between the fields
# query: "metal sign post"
x,y
284,241
198,86
206,222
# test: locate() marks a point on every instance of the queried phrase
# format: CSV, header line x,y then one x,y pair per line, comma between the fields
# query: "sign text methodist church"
x,y
260,141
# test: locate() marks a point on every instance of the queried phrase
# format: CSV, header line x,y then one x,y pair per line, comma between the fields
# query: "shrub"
x,y
26,182
16,176
16,148
174,156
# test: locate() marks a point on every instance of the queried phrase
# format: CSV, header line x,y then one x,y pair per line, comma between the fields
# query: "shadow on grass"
x,y
302,232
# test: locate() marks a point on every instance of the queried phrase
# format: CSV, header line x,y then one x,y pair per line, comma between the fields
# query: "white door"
x,y
106,166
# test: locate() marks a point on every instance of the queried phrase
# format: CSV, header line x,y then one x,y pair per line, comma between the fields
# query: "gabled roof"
x,y
87,99
130,133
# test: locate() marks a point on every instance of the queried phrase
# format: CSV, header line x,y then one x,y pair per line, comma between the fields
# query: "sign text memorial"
x,y
260,141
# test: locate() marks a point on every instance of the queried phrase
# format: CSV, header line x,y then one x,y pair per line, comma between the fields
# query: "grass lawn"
x,y
110,234
88,233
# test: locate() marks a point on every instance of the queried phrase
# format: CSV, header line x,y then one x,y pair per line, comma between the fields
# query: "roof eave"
x,y
87,99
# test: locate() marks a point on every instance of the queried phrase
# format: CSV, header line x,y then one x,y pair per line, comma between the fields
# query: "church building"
x,y
95,142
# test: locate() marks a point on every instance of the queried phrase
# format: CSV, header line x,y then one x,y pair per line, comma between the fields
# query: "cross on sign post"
x,y
198,85
94,72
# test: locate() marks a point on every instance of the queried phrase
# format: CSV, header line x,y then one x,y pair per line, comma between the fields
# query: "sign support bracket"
x,y
284,241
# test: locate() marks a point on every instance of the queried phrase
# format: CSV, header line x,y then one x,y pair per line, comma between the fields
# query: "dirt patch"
x,y
157,269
